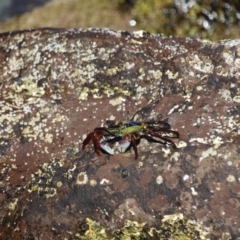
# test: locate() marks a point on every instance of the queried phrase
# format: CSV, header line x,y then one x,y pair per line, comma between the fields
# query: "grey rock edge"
x,y
57,85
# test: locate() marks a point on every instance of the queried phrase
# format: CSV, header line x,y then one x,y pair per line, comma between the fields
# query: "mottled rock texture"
x,y
59,84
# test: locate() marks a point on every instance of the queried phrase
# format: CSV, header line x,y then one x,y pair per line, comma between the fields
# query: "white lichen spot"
x,y
179,80
236,99
138,34
174,108
166,151
14,166
173,217
140,89
24,51
129,65
229,163
136,42
182,144
217,142
199,140
48,138
140,163
112,117
27,109
112,71
84,93
209,152
159,179
200,65
131,212
104,181
225,94
193,191
228,57
141,71
59,184
157,74
218,187
233,123
59,118
117,101
15,63
82,178
172,75
26,131
46,149
231,178
93,182
12,205
175,156
185,177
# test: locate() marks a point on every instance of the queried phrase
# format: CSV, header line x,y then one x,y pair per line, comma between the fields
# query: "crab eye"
x,y
105,146
123,145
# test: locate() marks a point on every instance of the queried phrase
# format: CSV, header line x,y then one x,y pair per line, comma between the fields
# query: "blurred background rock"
x,y
207,19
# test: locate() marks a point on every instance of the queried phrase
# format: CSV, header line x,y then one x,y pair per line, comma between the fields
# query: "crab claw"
x,y
123,145
105,146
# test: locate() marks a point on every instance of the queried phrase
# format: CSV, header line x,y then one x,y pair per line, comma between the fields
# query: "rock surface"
x,y
57,85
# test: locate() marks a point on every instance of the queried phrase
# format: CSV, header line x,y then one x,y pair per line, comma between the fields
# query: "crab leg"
x,y
87,140
96,137
168,131
164,138
151,124
96,143
134,144
125,143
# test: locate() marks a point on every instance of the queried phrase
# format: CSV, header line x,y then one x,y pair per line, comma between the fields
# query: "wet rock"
x,y
57,85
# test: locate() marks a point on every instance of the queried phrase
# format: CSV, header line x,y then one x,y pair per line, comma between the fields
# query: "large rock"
x,y
57,85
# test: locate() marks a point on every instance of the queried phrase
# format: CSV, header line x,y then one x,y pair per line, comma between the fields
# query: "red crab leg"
x,y
96,143
95,136
87,140
163,138
134,144
131,138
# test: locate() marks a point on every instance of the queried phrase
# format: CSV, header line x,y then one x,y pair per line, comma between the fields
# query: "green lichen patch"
x,y
91,230
44,181
175,226
131,230
178,227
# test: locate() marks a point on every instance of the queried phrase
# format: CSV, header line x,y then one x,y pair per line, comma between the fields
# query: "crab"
x,y
129,134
